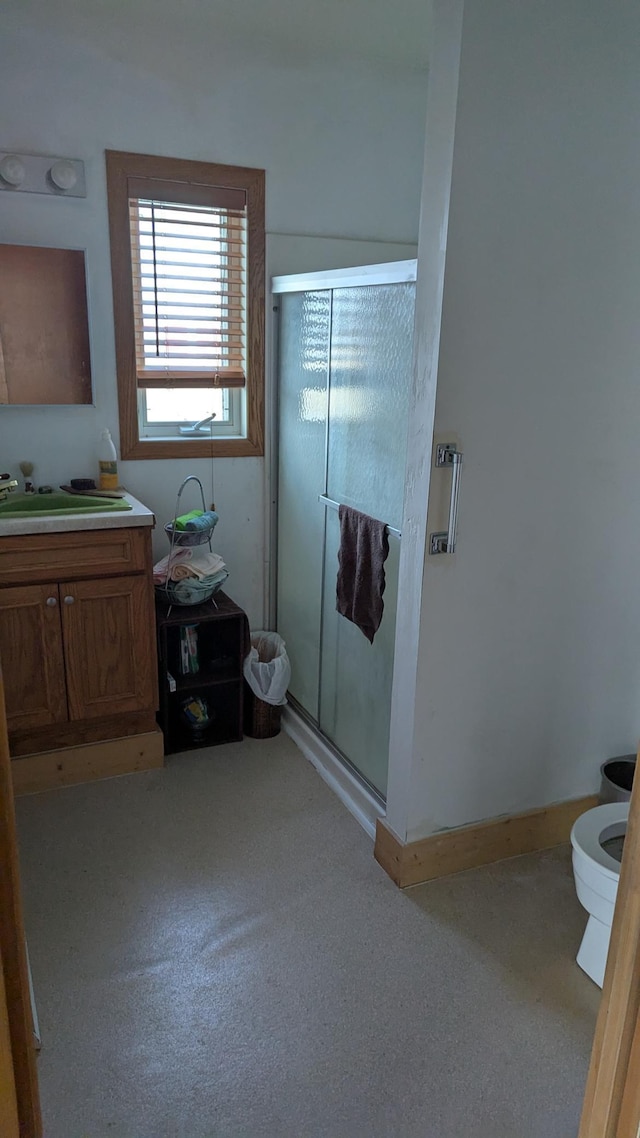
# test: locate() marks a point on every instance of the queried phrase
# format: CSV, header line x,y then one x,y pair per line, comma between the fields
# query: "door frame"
x,y
611,1106
445,36
13,954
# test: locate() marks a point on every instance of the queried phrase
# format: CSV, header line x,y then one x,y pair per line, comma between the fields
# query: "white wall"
x,y
341,141
529,670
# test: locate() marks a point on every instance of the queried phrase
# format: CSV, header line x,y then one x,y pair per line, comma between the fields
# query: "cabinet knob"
x,y
69,600
51,601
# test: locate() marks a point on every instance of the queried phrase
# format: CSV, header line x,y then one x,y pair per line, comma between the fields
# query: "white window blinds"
x,y
189,291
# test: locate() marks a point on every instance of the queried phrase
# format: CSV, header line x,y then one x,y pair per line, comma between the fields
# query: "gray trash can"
x,y
617,779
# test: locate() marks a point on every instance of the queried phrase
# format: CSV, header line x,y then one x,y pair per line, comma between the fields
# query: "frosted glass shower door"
x,y
355,690
304,369
369,387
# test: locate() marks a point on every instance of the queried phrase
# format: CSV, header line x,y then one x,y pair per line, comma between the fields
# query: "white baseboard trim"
x,y
358,800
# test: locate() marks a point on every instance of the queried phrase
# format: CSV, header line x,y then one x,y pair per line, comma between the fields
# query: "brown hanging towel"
x,y
364,547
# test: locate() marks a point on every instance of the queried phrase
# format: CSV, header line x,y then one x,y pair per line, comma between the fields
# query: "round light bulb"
x,y
12,170
63,174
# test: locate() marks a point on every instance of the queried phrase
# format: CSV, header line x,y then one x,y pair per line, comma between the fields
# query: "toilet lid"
x,y
587,832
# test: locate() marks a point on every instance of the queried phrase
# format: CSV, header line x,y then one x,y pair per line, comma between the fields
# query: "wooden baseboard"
x,y
61,736
466,847
69,765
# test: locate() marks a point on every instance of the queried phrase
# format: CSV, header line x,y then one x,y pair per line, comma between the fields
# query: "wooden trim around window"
x,y
122,166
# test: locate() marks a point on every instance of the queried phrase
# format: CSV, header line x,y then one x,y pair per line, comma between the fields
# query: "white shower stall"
x,y
345,348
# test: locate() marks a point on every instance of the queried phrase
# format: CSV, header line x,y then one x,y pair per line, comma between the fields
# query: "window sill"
x,y
193,448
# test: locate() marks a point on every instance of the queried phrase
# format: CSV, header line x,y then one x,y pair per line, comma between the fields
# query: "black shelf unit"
x,y
223,642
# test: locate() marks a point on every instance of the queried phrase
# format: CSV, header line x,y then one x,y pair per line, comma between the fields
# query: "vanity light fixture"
x,y
63,174
12,171
42,174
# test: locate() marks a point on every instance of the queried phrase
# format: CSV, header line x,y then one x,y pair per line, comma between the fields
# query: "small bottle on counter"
x,y
108,462
27,470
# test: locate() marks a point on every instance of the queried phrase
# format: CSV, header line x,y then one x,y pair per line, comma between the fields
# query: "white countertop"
x,y
138,515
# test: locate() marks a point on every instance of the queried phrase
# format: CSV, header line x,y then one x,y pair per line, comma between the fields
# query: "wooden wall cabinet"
x,y
78,645
44,326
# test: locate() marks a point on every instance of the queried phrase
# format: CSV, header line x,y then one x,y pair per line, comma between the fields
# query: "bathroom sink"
x,y
31,505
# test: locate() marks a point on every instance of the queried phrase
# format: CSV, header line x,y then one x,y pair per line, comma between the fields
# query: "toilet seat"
x,y
596,874
587,832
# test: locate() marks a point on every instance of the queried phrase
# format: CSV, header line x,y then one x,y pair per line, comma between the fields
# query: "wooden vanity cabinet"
x,y
108,639
31,649
77,640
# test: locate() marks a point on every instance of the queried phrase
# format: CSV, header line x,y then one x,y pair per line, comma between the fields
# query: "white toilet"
x,y
597,839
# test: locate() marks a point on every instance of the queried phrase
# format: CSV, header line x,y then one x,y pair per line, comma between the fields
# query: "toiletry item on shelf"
x,y
27,471
108,462
196,715
189,663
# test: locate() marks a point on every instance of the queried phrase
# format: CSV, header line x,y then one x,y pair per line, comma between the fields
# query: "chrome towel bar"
x,y
391,530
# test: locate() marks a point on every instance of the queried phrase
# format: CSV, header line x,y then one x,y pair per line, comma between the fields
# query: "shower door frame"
x,y
360,796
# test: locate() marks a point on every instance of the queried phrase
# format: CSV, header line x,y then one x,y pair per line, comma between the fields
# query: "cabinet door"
x,y
32,657
109,645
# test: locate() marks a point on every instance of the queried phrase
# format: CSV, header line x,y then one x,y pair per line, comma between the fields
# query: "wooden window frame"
x,y
122,166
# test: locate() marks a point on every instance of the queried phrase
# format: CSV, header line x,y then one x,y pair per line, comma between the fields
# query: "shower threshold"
x,y
352,788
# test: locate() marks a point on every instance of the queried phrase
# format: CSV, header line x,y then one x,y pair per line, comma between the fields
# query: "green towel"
x,y
181,522
206,521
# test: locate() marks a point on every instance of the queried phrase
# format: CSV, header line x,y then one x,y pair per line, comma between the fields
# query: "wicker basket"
x,y
261,720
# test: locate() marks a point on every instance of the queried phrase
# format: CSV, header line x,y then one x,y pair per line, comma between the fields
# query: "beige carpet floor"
x,y
217,955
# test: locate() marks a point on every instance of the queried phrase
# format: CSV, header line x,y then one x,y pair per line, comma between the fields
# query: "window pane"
x,y
186,405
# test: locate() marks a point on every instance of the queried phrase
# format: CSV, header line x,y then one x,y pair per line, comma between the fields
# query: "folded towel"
x,y
183,521
181,572
178,556
187,562
200,521
161,567
192,592
205,564
364,547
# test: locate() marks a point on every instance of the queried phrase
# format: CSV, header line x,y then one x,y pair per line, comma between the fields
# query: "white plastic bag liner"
x,y
267,669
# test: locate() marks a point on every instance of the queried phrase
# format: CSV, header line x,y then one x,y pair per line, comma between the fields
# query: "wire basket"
x,y
190,591
185,537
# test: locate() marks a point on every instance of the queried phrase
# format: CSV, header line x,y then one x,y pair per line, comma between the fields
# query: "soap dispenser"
x,y
108,462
